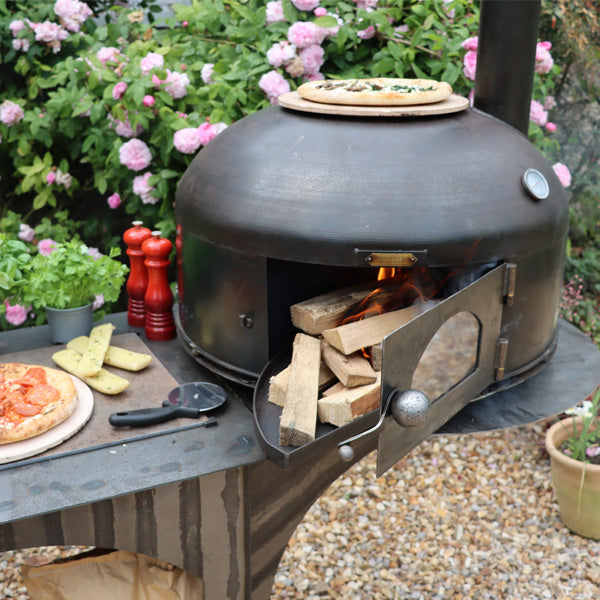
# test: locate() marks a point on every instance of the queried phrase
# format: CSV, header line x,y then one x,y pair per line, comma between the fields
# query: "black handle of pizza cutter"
x,y
152,416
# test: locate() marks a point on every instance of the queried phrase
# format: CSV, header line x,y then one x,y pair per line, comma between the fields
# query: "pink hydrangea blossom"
x,y
16,314
273,85
11,113
275,12
550,127
543,58
208,131
108,54
471,43
304,33
470,64
114,200
187,140
563,174
72,13
143,189
26,233
51,178
537,114
367,34
306,4
312,59
206,73
152,60
98,301
119,90
46,246
135,155
281,54
16,26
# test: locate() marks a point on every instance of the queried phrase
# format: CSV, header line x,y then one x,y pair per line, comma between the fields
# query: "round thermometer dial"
x,y
535,184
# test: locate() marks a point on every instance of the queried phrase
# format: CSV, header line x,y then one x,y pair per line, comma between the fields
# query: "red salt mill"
x,y
160,324
138,276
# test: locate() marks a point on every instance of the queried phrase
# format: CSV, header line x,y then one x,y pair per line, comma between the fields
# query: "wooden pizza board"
x,y
452,104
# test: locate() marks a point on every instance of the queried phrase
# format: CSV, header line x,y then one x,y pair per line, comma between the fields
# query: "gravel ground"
x,y
460,517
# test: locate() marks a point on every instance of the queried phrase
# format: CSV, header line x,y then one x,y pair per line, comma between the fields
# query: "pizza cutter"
x,y
188,400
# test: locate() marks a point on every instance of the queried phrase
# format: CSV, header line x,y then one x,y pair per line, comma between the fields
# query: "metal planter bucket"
x,y
68,323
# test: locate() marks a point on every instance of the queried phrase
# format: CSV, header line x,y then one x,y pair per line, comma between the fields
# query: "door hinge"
x,y
501,354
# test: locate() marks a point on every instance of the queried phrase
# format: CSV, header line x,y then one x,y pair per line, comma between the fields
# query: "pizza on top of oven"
x,y
33,399
379,91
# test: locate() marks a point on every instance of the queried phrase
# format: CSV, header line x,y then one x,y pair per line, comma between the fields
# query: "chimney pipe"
x,y
508,31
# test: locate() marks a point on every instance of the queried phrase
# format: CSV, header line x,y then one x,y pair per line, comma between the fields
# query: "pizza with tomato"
x,y
33,399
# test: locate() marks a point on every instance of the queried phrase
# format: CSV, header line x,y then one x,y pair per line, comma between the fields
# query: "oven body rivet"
x,y
246,321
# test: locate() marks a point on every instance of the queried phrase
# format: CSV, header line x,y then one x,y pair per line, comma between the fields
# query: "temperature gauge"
x,y
535,184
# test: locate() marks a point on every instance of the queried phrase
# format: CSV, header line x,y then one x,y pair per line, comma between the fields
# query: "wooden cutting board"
x,y
148,388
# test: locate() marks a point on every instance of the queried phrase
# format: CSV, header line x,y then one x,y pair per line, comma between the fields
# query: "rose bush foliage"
x,y
100,114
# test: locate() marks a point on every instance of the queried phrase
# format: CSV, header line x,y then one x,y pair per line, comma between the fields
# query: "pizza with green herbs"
x,y
380,91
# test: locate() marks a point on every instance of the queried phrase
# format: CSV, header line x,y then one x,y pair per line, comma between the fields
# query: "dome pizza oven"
x,y
290,203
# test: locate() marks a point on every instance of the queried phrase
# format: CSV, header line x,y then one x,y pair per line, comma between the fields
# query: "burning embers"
x,y
335,372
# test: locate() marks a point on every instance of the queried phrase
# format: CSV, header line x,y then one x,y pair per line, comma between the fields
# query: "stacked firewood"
x,y
335,371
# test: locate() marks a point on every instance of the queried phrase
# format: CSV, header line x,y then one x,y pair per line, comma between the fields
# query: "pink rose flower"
x,y
471,43
368,5
537,114
563,174
21,44
305,4
11,113
148,100
152,60
320,11
94,253
143,189
51,178
108,54
470,64
550,127
206,73
135,155
16,26
550,103
64,179
207,132
114,200
275,12
176,84
72,13
26,233
16,314
273,85
50,32
185,24
281,54
46,247
119,90
367,34
543,58
124,128
98,301
314,76
187,140
312,59
303,34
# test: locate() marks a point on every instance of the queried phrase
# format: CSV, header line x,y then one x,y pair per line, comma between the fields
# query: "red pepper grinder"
x,y
138,276
160,324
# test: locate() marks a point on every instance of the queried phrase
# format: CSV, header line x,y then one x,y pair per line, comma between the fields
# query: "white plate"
x,y
58,434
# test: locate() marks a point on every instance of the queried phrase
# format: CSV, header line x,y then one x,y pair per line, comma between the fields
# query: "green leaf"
x,y
326,21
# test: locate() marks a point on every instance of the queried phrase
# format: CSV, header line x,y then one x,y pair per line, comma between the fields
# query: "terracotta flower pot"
x,y
577,484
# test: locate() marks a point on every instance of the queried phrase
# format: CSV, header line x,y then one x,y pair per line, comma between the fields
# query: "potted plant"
x,y
574,448
65,280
